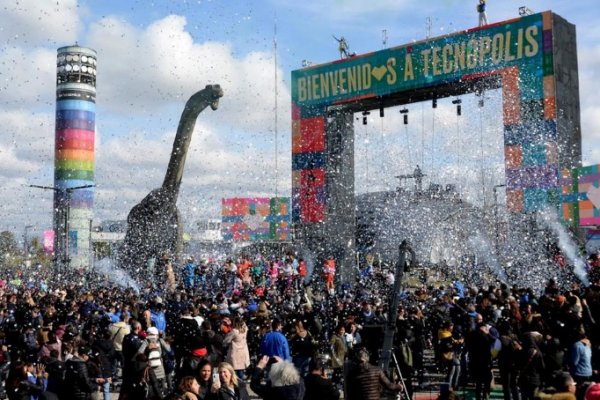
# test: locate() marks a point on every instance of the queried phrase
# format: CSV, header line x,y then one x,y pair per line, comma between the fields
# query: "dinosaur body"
x,y
153,227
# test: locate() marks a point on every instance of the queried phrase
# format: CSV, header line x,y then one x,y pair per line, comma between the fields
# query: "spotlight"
x,y
434,103
458,103
365,113
404,113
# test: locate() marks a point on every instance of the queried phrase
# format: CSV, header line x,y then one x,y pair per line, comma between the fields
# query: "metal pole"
x,y
390,327
496,223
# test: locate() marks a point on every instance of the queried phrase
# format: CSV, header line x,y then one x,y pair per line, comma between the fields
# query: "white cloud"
x,y
30,23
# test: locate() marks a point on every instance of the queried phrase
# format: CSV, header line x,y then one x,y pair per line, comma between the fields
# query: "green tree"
x,y
10,253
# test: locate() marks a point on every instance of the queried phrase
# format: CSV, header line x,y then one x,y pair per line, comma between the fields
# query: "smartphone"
x,y
215,374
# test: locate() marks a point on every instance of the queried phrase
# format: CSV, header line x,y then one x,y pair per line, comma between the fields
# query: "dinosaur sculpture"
x,y
153,227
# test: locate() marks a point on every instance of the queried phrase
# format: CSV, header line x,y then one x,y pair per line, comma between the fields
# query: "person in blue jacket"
x,y
274,343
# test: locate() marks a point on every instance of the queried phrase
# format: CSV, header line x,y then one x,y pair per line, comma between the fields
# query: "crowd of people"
x,y
261,326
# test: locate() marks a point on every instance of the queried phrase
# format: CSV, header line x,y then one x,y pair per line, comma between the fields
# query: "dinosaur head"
x,y
216,92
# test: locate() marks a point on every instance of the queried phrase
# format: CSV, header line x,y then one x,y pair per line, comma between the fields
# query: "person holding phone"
x,y
227,386
284,383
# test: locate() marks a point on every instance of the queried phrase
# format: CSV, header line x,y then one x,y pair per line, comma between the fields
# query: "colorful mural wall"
x,y
580,196
256,219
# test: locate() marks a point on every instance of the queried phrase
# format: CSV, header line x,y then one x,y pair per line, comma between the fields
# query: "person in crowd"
x,y
189,388
80,383
580,359
154,347
301,348
205,379
25,381
338,355
274,343
131,344
118,331
284,383
364,380
316,383
531,366
228,386
565,388
237,353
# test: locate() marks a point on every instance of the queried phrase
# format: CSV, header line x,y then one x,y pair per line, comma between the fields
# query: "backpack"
x,y
154,355
406,356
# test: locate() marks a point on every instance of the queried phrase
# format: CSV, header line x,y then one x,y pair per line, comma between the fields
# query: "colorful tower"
x,y
74,156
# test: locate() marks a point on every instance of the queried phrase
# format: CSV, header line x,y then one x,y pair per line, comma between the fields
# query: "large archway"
x,y
533,59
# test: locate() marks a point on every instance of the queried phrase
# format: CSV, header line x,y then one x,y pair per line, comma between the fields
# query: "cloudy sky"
x,y
153,55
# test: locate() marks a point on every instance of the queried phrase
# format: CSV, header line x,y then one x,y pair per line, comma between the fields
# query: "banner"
x,y
49,241
255,219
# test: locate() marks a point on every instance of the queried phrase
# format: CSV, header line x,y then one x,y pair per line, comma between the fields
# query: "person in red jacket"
x,y
329,272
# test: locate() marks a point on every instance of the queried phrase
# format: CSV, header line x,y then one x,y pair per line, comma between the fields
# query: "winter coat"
x,y
105,353
159,320
320,388
118,332
80,385
187,335
365,380
240,393
531,363
237,354
27,389
274,343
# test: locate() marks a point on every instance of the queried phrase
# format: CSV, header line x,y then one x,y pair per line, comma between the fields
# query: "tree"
x,y
10,253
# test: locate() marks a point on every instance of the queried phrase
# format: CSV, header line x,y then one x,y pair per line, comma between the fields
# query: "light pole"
x,y
26,240
496,218
62,260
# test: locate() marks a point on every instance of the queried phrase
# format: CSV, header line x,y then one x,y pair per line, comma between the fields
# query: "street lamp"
x,y
62,260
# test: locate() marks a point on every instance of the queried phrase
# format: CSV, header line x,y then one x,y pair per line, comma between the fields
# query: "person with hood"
x,y
364,381
284,383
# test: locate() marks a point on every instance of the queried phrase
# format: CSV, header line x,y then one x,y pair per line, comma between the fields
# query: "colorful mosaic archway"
x,y
532,58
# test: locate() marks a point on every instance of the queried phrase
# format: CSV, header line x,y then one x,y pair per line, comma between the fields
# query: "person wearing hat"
x,y
154,347
593,392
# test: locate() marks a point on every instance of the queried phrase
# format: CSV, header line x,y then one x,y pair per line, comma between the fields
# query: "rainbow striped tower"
x,y
74,156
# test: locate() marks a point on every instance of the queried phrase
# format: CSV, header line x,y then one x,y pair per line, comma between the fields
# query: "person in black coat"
x,y
19,387
479,343
316,382
81,385
131,344
56,372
